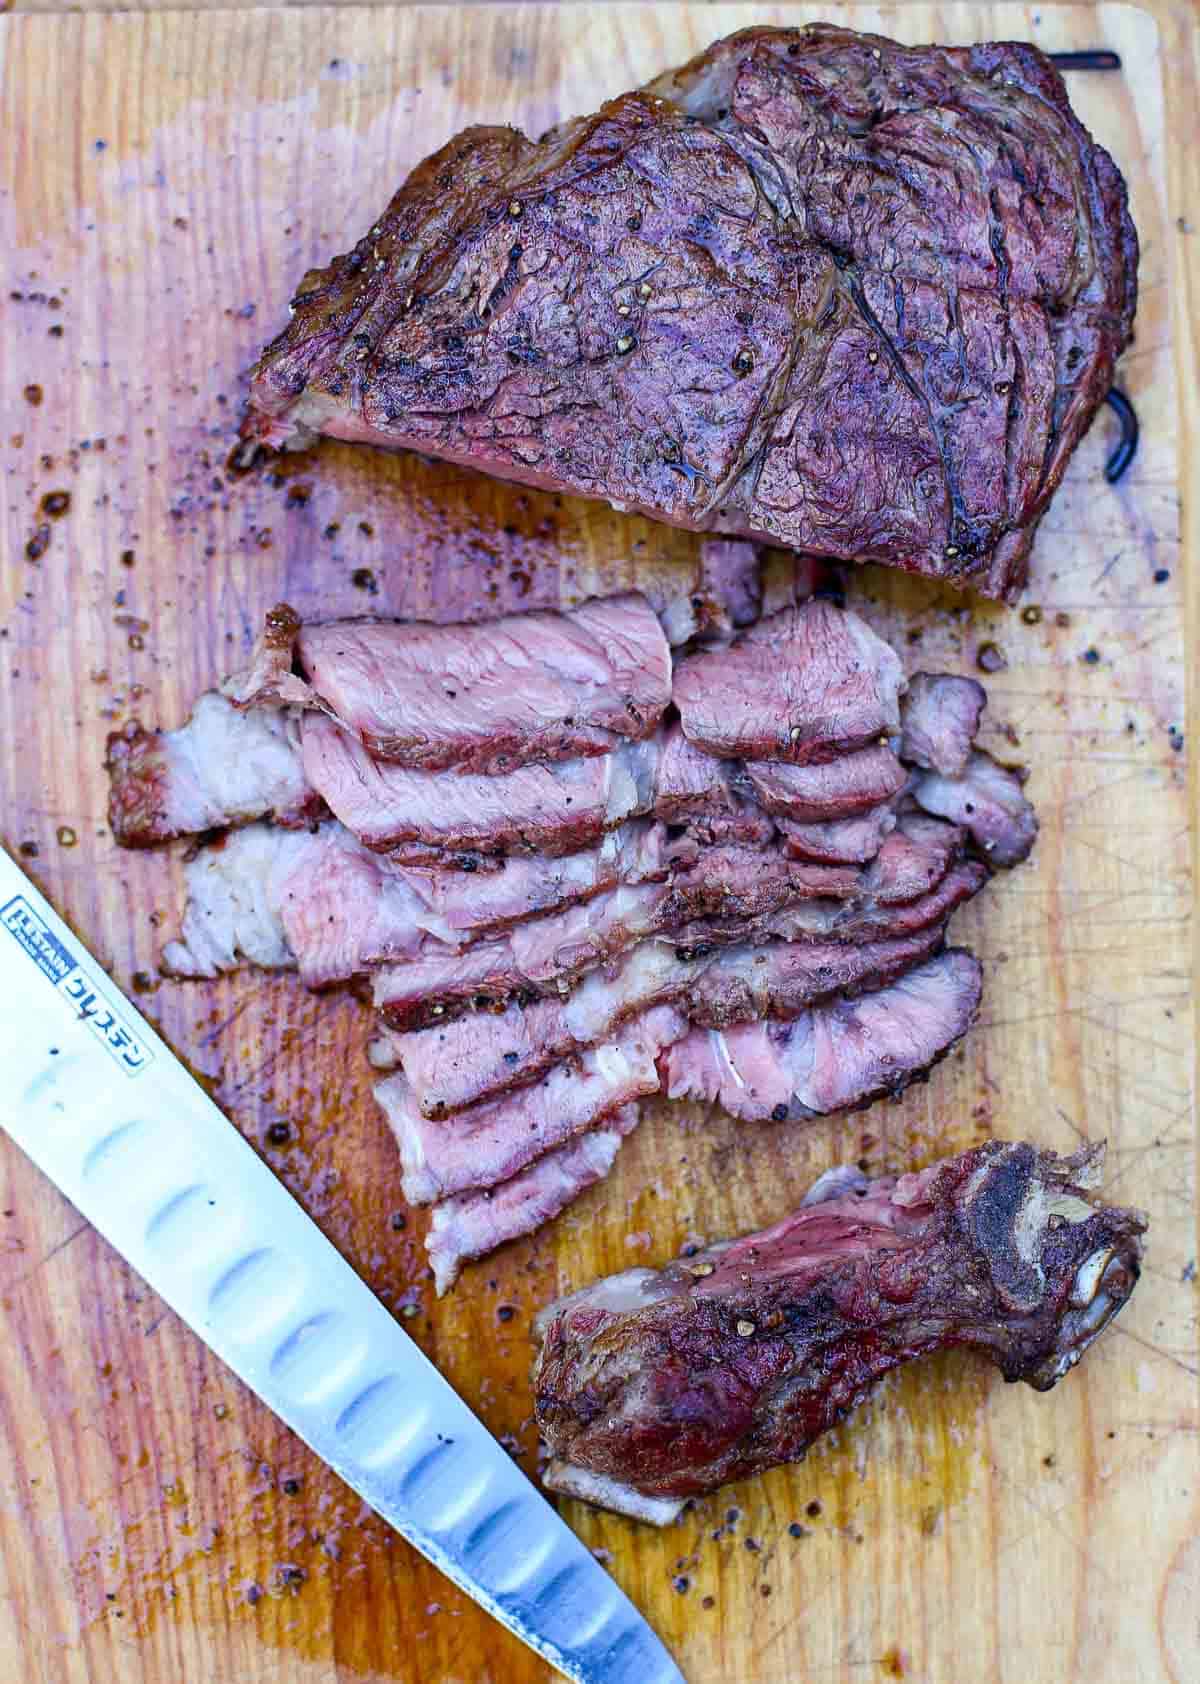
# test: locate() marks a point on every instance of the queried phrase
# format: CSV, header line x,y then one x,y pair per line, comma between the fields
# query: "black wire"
x,y
1125,452
1095,58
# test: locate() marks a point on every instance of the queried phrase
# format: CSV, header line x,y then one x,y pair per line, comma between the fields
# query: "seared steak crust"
x,y
673,1383
816,287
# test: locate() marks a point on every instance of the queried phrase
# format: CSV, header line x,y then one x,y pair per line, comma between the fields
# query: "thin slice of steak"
x,y
315,899
988,800
711,797
223,767
845,788
556,809
525,885
838,841
939,717
665,1384
483,698
814,287
912,860
839,1054
806,685
781,979
486,1144
472,1224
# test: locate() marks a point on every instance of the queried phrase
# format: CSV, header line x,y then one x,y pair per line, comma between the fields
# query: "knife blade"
x,y
105,1109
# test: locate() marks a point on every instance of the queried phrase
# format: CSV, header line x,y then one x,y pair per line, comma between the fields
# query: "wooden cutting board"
x,y
165,181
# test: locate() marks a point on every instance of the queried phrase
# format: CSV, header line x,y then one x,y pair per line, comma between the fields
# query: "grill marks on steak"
x,y
815,287
653,1386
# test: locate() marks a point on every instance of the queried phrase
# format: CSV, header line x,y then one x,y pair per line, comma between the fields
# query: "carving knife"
x,y
104,1108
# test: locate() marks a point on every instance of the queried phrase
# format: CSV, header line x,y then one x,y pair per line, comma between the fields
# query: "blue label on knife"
x,y
56,960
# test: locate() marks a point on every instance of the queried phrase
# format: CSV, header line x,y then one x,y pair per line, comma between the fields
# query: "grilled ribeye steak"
x,y
852,297
656,1385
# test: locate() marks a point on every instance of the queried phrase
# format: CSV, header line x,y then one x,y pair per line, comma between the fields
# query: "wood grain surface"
x,y
164,182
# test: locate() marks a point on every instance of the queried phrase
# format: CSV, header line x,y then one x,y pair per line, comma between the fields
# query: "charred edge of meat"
x,y
274,675
137,793
669,1383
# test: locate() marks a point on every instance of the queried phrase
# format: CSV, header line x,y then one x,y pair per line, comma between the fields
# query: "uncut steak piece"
x,y
814,287
482,698
653,1386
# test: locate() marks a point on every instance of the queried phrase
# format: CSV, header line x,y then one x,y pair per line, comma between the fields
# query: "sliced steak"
x,y
472,1058
782,979
280,899
939,717
724,901
485,698
807,685
224,767
842,1053
871,920
472,1224
844,788
486,1053
486,1144
912,860
814,287
556,809
706,907
524,885
989,801
838,841
320,899
661,1385
709,796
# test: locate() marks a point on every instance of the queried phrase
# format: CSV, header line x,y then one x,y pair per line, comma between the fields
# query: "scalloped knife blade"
x,y
104,1108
